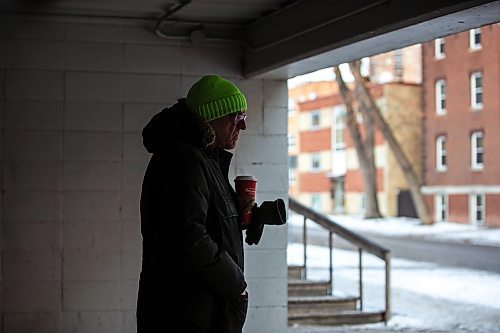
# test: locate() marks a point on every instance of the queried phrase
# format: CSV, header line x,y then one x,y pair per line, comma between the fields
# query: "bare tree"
x,y
364,148
372,111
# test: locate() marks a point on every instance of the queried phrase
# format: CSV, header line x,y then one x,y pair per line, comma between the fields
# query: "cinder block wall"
x,y
74,97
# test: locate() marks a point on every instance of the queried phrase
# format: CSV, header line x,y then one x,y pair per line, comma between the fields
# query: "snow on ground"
x,y
426,297
454,284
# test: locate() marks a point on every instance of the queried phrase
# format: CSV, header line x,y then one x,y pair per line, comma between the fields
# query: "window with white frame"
x,y
475,39
477,150
439,48
315,162
477,208
291,107
292,169
476,90
292,142
398,64
339,128
292,177
440,97
315,119
315,201
362,203
441,164
441,207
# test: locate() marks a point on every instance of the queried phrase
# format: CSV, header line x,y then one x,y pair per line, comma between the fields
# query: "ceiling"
x,y
282,39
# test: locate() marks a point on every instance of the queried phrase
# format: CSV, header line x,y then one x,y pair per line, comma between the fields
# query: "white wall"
x,y
74,98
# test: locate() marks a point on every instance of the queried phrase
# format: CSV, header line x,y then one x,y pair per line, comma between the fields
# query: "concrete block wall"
x,y
74,97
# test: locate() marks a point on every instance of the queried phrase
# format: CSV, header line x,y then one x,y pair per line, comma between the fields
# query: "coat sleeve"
x,y
196,256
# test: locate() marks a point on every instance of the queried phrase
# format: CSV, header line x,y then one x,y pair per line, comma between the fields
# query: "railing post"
x,y
361,243
304,239
360,278
330,245
387,288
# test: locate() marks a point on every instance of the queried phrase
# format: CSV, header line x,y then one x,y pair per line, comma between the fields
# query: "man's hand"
x,y
254,233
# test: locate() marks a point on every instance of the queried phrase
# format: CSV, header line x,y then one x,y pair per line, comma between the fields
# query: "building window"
x,y
398,64
439,48
291,107
315,201
441,207
441,153
339,129
477,151
292,177
292,169
315,162
476,90
475,39
339,194
362,203
477,208
292,142
440,97
315,119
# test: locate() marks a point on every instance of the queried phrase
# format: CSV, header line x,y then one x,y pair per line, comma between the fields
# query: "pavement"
x,y
353,329
367,329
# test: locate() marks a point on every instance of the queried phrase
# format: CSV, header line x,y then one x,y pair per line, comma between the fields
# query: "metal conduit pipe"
x,y
200,34
175,8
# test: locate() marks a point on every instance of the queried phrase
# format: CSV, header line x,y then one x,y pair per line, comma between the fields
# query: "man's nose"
x,y
242,125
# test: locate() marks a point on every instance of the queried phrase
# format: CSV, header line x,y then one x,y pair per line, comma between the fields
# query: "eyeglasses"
x,y
239,118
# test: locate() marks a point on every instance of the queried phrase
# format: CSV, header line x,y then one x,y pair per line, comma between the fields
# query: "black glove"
x,y
254,233
255,229
270,212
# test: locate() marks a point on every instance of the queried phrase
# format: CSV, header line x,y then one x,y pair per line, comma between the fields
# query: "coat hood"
x,y
177,124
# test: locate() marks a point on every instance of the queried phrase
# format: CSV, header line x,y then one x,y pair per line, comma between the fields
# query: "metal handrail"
x,y
359,241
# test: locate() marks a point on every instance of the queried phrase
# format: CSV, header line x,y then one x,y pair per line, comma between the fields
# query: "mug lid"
x,y
245,178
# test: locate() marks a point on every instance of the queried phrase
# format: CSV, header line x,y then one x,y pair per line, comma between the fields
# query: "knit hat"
x,y
214,97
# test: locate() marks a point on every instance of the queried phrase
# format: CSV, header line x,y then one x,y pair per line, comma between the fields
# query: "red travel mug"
x,y
245,190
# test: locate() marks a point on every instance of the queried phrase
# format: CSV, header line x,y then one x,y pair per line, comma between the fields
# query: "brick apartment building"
x,y
318,193
324,171
462,126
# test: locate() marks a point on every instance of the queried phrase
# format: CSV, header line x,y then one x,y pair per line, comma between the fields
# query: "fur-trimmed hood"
x,y
177,124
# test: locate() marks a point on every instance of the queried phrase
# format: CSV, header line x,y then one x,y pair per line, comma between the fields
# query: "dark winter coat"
x,y
192,266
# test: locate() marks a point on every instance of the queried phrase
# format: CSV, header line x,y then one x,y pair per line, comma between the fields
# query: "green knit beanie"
x,y
214,97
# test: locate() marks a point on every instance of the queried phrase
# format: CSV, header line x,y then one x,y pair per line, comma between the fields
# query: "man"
x,y
192,269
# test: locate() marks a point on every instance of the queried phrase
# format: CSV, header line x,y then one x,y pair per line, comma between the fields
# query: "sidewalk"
x,y
409,227
401,227
369,329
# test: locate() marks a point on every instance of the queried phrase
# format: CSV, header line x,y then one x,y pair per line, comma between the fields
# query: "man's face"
x,y
227,130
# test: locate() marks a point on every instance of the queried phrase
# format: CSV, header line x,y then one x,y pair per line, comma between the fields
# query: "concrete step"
x,y
309,303
346,317
320,304
296,272
308,288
